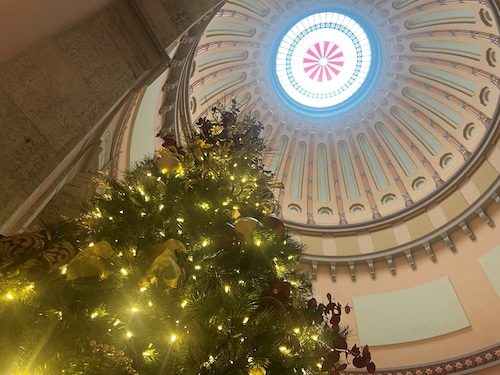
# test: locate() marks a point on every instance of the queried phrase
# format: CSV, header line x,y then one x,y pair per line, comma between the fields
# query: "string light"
x,y
9,296
245,320
184,303
129,334
124,272
173,338
204,243
227,288
197,267
134,309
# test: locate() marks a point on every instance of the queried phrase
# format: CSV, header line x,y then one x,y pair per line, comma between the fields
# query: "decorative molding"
x,y
371,267
467,364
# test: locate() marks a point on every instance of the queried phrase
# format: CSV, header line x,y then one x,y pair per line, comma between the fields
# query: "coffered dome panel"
x,y
396,149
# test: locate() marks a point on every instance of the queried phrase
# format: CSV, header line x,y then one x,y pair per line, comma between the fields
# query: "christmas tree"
x,y
181,267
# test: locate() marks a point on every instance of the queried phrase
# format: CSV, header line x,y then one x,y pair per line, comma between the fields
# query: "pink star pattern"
x,y
323,61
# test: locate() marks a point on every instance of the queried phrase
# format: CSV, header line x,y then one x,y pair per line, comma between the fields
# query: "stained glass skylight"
x,y
322,61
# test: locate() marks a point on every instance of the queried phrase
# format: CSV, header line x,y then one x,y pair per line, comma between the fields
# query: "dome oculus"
x,y
321,63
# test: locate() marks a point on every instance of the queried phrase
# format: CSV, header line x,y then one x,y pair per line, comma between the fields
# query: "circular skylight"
x,y
323,61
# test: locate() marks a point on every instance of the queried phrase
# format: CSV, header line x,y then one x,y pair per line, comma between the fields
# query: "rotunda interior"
x,y
382,124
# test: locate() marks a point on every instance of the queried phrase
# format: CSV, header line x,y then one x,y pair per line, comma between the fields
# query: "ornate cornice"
x,y
462,365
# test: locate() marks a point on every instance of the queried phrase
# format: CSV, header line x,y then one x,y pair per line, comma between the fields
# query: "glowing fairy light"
x,y
173,338
227,288
184,303
129,334
197,267
204,243
124,272
9,296
63,269
134,309
162,206
245,320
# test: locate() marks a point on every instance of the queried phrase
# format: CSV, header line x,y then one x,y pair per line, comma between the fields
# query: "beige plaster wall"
x,y
475,291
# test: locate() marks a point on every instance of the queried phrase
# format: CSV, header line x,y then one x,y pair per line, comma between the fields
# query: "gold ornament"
x,y
273,222
245,227
169,164
207,174
164,266
93,261
257,370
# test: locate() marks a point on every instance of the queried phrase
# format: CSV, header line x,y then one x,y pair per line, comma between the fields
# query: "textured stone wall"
x,y
53,94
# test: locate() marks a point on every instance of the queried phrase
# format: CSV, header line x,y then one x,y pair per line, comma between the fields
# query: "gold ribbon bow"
x,y
164,266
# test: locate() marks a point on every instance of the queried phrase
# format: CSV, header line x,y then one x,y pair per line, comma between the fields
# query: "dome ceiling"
x,y
421,114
